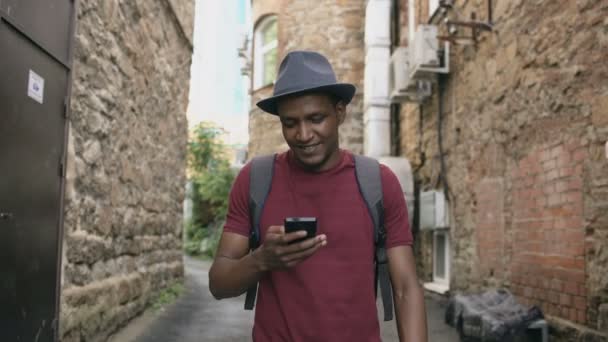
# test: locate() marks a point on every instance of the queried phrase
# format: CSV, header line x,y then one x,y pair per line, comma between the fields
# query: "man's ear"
x,y
341,112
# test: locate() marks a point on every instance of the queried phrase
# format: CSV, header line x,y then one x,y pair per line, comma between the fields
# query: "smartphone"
x,y
308,224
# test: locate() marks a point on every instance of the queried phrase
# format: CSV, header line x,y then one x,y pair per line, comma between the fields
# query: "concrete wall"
x,y
333,28
126,162
524,129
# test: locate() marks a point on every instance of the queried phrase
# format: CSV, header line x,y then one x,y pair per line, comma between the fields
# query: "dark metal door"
x,y
35,59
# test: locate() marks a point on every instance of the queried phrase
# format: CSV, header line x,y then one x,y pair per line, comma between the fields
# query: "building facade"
x,y
504,124
126,162
333,28
511,130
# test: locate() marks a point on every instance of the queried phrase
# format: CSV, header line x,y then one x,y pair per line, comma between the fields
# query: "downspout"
x,y
376,102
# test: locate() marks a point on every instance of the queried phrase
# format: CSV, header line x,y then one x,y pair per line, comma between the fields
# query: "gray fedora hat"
x,y
306,71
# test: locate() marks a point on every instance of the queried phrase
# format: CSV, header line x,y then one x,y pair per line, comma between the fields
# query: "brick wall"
x,y
548,265
524,127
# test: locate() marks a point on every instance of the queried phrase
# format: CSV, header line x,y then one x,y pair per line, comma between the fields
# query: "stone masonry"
x,y
333,28
524,128
126,162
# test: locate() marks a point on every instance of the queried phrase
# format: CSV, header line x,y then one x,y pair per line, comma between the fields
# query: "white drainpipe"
x,y
376,99
376,93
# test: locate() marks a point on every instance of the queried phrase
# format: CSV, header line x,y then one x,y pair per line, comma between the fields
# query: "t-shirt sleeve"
x,y
237,218
396,218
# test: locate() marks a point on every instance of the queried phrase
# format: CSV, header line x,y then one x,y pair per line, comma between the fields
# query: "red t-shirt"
x,y
330,296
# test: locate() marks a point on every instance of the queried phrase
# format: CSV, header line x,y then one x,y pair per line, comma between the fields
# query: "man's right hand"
x,y
276,253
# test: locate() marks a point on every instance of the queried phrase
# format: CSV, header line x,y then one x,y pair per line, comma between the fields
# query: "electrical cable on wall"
x,y
442,172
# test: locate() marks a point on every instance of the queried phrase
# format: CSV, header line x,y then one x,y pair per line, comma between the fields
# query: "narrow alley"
x,y
196,316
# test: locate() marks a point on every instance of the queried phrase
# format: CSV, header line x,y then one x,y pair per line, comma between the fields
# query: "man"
x,y
320,289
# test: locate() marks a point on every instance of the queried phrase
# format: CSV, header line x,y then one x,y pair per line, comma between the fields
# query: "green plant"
x,y
211,178
167,295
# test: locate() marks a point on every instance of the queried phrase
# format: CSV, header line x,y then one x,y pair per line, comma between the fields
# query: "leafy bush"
x,y
167,296
212,178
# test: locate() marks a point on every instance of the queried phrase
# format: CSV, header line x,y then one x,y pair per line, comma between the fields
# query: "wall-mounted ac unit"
x,y
433,210
425,53
401,89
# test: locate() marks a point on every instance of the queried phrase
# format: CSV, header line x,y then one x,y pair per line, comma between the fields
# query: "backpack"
x,y
367,172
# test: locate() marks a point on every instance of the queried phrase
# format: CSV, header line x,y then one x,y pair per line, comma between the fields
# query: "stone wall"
x,y
525,123
333,28
126,162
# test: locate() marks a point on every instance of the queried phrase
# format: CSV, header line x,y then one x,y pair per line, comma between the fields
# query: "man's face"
x,y
310,127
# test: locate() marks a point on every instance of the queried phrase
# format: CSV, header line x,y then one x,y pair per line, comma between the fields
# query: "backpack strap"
x,y
260,180
369,180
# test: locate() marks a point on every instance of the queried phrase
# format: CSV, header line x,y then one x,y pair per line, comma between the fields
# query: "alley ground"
x,y
196,316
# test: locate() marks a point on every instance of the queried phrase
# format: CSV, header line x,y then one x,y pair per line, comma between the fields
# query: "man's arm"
x,y
234,269
408,296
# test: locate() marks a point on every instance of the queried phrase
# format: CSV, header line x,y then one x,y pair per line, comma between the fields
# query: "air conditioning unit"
x,y
433,210
424,55
401,89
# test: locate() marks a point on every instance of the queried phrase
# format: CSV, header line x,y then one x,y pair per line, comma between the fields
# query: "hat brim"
x,y
344,91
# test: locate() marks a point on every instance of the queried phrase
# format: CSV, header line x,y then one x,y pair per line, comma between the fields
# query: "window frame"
x,y
260,51
445,280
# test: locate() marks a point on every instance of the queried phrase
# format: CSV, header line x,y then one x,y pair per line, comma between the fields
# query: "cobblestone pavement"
x,y
196,316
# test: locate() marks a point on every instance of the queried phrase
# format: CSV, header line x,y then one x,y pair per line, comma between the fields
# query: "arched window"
x,y
265,62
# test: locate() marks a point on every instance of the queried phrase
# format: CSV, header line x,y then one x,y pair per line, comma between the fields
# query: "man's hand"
x,y
276,252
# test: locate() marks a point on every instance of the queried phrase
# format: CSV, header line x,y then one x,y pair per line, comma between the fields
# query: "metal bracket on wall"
x,y
476,26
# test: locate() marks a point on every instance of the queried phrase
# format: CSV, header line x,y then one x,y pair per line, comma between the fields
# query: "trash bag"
x,y
491,316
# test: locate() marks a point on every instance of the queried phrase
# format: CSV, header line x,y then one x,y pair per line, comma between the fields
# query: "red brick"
x,y
553,297
579,303
580,264
571,287
569,275
551,175
549,164
573,223
564,262
572,235
556,285
544,155
581,317
549,188
556,151
515,174
535,192
563,312
567,171
554,199
572,316
575,184
572,197
579,155
561,186
546,224
574,249
563,159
